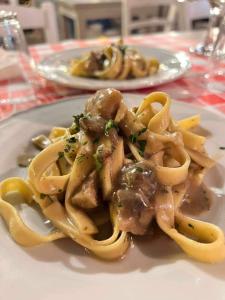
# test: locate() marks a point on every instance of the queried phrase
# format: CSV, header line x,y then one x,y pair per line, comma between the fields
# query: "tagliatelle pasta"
x,y
117,169
117,62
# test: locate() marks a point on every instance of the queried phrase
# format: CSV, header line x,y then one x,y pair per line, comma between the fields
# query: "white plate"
x,y
55,68
155,269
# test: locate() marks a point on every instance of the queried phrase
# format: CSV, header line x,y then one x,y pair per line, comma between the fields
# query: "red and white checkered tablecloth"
x,y
188,88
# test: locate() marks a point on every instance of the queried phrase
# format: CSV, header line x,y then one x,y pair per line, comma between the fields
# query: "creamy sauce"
x,y
197,200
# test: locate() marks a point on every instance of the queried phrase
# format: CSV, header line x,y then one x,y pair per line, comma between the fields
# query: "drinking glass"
x,y
217,12
15,67
216,62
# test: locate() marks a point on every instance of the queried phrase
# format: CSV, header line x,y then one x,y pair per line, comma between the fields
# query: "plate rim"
x,y
99,83
86,95
154,272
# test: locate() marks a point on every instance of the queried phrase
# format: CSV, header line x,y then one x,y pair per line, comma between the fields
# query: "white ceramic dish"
x,y
152,269
55,68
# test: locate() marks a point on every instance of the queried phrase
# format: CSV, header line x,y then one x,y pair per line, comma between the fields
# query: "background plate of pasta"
x,y
113,196
124,67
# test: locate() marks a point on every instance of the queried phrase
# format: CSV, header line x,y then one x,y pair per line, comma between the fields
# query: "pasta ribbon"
x,y
160,121
109,249
20,232
190,122
116,165
47,184
200,240
173,176
117,62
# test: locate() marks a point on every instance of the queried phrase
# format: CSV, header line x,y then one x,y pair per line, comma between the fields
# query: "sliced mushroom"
x,y
86,197
104,103
41,141
93,124
24,160
135,197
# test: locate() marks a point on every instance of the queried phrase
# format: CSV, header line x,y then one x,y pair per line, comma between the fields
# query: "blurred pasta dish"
x,y
115,62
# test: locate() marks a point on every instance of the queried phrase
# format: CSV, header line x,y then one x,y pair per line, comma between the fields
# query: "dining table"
x,y
191,88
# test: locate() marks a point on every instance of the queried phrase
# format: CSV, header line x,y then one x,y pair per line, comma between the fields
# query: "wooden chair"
x,y
17,2
82,11
37,18
130,8
192,11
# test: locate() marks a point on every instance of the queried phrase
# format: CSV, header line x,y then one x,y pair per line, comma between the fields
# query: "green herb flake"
x,y
142,145
60,190
133,138
109,125
84,143
190,225
98,162
139,169
42,196
77,117
72,139
86,116
75,127
80,158
142,131
60,154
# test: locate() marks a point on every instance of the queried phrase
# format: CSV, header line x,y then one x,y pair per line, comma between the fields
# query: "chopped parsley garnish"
x,y
77,117
190,225
142,144
75,127
80,158
60,154
109,125
84,143
72,139
133,137
42,196
98,162
67,148
222,148
142,131
139,169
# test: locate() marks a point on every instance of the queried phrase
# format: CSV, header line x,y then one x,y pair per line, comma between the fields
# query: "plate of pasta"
x,y
112,195
124,67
